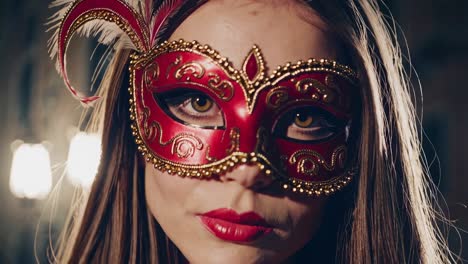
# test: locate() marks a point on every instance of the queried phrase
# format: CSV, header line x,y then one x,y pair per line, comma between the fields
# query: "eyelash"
x,y
323,125
291,125
179,108
179,104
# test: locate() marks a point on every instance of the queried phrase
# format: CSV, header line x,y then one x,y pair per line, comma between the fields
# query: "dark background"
x,y
35,106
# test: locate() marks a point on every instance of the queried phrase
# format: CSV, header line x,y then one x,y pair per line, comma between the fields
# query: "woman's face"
x,y
190,210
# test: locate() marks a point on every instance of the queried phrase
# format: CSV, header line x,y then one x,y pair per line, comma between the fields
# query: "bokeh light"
x,y
31,175
83,159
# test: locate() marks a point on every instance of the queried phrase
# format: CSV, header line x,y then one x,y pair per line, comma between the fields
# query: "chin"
x,y
228,253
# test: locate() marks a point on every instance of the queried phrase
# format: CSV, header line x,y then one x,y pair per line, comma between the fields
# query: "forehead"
x,y
285,31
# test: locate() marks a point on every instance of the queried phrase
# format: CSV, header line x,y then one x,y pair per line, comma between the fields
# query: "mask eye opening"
x,y
172,101
308,125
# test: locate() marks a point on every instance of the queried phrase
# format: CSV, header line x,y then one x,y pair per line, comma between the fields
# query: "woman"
x,y
312,162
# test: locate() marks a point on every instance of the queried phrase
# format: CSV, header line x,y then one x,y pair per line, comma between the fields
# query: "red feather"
x,y
148,8
70,23
165,11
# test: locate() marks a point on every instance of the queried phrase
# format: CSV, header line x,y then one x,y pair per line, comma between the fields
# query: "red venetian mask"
x,y
196,116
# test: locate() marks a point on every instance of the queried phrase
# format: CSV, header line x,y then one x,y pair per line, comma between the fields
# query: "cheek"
x,y
306,217
174,201
166,195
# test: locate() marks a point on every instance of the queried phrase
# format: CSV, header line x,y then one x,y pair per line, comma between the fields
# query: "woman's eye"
x,y
201,103
191,108
307,124
303,120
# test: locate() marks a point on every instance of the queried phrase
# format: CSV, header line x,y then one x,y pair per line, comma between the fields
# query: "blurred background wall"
x,y
35,107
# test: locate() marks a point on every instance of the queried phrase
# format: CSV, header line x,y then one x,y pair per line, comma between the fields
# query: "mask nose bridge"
x,y
252,136
253,133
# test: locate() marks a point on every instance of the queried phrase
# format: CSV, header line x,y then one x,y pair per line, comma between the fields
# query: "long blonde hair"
x,y
390,217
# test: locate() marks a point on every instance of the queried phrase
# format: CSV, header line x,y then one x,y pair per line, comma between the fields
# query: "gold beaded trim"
x,y
228,163
320,188
261,81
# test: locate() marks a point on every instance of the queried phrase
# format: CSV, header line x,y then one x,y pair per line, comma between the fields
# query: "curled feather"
x,y
72,18
107,33
144,24
54,26
162,15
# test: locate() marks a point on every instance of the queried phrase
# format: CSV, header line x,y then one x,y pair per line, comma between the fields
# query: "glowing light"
x,y
31,176
83,159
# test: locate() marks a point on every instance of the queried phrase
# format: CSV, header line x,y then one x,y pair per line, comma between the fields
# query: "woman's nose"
x,y
249,176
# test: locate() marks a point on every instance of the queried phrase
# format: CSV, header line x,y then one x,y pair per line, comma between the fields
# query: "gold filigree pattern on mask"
x,y
176,62
262,140
331,82
151,73
218,91
277,96
308,160
308,166
198,171
185,145
208,156
234,135
190,69
224,89
324,93
250,88
292,70
150,129
235,157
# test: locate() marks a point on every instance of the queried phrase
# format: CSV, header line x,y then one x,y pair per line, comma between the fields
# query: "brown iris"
x,y
303,120
201,103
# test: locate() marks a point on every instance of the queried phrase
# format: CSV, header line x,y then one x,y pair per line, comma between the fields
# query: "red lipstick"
x,y
227,224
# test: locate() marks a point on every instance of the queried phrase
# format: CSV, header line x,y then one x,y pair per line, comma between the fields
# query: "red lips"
x,y
227,224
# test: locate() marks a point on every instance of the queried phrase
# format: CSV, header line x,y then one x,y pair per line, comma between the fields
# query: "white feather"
x,y
107,33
